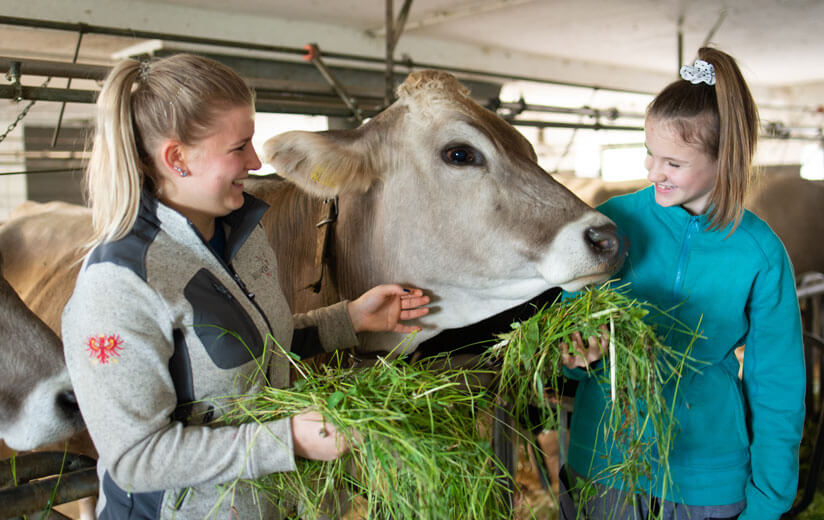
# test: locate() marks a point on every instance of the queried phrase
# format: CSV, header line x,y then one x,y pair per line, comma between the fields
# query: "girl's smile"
x,y
682,172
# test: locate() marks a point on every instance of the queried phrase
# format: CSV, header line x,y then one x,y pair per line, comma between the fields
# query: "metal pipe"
x,y
68,85
60,69
39,495
13,75
680,41
390,53
152,35
576,126
149,35
35,172
400,24
41,464
290,102
313,55
49,94
610,113
721,15
814,289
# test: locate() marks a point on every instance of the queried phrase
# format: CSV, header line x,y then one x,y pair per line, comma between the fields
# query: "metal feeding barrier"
x,y
810,289
35,482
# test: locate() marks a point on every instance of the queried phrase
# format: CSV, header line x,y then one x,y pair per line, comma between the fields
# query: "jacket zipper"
x,y
236,277
678,285
250,295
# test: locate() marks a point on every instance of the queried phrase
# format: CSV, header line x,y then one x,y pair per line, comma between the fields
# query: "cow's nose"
x,y
604,239
66,400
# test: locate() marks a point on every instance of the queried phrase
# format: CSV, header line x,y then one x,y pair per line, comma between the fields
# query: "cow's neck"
x,y
365,257
360,260
290,227
357,262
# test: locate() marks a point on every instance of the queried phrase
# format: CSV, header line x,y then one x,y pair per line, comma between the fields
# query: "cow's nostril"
x,y
604,239
67,400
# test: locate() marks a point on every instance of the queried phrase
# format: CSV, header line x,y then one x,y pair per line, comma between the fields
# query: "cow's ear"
x,y
323,163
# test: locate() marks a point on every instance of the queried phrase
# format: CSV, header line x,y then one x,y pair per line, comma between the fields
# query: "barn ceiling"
x,y
627,49
627,44
632,46
775,39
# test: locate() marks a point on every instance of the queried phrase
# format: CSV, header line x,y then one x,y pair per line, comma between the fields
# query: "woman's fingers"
x,y
567,359
315,438
583,356
414,313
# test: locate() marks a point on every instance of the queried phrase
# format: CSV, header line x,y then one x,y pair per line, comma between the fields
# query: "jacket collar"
x,y
241,222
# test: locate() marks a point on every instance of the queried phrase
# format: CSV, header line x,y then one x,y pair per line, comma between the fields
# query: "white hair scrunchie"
x,y
700,72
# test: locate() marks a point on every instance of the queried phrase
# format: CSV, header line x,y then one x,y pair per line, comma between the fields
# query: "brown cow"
x,y
794,209
461,209
39,268
436,192
42,247
37,404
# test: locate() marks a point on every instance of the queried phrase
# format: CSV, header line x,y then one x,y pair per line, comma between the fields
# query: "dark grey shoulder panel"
x,y
180,367
129,251
227,332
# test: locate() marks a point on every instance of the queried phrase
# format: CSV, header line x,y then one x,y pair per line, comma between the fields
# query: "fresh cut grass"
x,y
636,368
417,448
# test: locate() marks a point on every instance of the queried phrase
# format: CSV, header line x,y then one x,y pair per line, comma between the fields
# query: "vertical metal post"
x,y
68,85
680,42
390,53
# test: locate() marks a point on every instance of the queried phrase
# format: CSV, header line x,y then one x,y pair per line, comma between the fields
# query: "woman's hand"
x,y
595,350
314,438
382,308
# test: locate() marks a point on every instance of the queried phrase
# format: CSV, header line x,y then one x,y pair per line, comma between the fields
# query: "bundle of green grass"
x,y
636,367
420,452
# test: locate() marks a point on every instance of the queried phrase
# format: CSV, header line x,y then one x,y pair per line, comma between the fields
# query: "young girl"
x,y
694,250
178,305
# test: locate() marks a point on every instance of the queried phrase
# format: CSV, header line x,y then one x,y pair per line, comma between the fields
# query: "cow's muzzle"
x,y
607,243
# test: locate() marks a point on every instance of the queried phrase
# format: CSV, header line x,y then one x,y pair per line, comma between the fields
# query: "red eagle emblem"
x,y
104,348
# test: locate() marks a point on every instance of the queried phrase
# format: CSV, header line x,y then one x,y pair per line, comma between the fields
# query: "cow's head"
x,y
37,404
458,203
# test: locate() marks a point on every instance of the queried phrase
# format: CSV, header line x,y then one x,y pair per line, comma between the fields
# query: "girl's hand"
x,y
595,350
314,438
383,307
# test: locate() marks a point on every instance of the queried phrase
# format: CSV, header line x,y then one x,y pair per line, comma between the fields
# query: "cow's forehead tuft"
x,y
432,81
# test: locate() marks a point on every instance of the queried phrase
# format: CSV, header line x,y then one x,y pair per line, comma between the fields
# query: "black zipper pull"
x,y
222,290
242,285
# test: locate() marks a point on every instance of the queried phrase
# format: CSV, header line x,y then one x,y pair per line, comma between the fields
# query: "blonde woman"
x,y
175,302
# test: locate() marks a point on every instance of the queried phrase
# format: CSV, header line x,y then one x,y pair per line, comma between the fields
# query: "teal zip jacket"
x,y
734,439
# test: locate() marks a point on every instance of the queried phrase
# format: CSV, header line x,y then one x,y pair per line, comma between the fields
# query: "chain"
x,y
22,114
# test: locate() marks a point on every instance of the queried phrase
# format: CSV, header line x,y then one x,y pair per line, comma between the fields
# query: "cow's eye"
x,y
462,156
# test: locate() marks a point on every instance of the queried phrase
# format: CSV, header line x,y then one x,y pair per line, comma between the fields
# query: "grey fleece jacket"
x,y
158,331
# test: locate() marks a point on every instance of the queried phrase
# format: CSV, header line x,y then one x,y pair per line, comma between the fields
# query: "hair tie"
x,y
700,72
144,70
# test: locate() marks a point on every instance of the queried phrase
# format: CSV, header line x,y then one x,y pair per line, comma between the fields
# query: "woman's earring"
x,y
181,171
